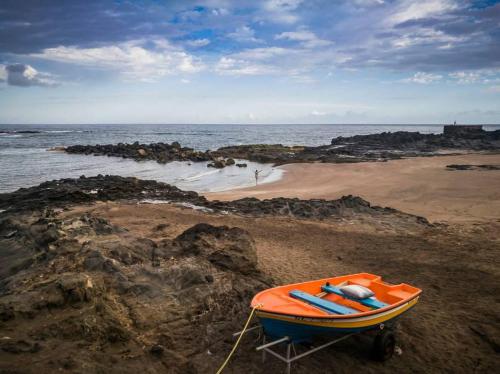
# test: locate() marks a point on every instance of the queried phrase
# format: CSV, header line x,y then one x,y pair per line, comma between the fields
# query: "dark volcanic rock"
x,y
76,287
66,192
160,152
20,132
374,147
264,153
121,319
358,148
315,208
86,190
473,167
415,141
227,248
218,164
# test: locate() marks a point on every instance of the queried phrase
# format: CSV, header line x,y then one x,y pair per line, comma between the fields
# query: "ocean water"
x,y
25,161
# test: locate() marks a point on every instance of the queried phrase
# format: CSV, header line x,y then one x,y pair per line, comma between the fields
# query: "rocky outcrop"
x,y
226,248
62,192
358,148
463,130
475,139
159,152
315,208
20,132
263,153
66,192
101,305
472,167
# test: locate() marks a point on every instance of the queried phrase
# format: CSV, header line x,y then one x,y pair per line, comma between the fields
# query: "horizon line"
x,y
249,124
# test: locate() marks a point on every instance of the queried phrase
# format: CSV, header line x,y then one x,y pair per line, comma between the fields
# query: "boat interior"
x,y
325,297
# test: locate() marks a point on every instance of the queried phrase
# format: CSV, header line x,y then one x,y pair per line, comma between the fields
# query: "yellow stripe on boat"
x,y
356,322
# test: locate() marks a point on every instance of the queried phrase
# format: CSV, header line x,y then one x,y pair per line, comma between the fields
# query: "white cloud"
x,y
23,75
464,77
426,36
296,63
307,38
132,59
410,10
483,76
198,42
220,12
423,78
263,53
257,61
301,35
282,5
232,66
281,11
244,34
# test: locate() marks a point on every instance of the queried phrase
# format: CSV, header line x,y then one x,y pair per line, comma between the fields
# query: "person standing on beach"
x,y
257,176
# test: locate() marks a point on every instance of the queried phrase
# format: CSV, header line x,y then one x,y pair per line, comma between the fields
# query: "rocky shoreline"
x,y
66,192
359,148
160,152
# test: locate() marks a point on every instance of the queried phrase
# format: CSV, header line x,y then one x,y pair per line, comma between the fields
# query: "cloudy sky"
x,y
273,61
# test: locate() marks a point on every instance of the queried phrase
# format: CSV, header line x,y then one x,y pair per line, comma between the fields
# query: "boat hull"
x,y
306,329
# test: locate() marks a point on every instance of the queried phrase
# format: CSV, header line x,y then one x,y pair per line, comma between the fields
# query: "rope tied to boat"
x,y
239,338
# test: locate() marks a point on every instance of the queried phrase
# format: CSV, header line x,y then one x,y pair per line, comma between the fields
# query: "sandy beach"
x,y
421,186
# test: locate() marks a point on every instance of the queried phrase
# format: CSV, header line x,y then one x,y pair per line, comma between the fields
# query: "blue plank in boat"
x,y
326,305
369,301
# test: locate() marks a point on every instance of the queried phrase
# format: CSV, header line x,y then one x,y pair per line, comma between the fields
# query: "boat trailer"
x,y
384,351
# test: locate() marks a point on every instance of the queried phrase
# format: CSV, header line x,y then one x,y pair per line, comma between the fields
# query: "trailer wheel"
x,y
383,346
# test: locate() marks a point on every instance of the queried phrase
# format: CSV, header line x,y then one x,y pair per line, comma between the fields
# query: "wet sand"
x,y
421,186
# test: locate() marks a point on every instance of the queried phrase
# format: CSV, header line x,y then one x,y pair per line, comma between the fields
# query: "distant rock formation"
x,y
462,130
472,138
359,148
159,152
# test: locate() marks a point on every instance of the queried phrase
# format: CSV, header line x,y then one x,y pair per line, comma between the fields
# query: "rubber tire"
x,y
383,345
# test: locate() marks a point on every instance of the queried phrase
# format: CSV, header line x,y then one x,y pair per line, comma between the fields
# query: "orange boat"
x,y
332,306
